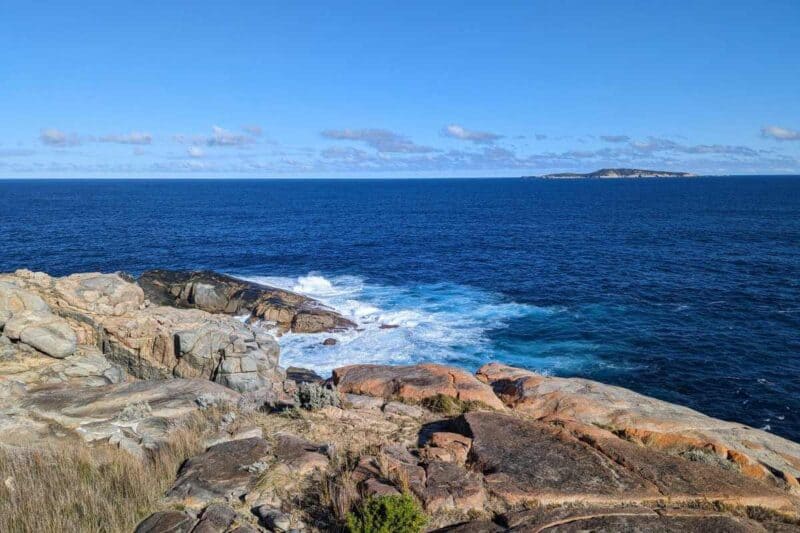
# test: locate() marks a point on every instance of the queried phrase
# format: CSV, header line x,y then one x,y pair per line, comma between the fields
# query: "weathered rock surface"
x,y
46,332
227,471
218,293
527,460
216,518
654,423
299,455
230,470
615,519
414,383
627,518
134,416
167,522
107,311
26,318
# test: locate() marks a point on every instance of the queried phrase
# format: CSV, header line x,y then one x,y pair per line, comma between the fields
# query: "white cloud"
x,y
195,151
384,141
459,132
223,137
135,137
780,134
253,129
55,137
615,138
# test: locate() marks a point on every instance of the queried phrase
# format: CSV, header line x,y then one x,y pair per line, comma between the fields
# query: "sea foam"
x,y
439,322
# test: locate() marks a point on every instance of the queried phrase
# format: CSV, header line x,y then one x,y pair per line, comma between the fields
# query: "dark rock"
x,y
473,526
303,375
330,341
300,455
218,293
389,326
578,519
533,461
273,519
217,515
245,528
451,486
167,522
227,470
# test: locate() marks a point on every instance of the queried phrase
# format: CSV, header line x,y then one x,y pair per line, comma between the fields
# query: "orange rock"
x,y
414,383
651,422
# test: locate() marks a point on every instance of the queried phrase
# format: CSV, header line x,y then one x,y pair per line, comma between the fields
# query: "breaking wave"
x,y
438,322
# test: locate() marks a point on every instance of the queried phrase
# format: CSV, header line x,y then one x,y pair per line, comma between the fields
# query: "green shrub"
x,y
387,514
313,396
447,405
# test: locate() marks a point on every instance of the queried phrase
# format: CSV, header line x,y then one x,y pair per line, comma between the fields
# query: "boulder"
x,y
648,421
414,383
44,331
14,299
449,486
448,446
167,522
216,517
218,293
226,471
26,317
303,375
299,455
532,461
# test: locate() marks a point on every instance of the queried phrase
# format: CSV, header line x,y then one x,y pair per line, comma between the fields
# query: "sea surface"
x,y
684,289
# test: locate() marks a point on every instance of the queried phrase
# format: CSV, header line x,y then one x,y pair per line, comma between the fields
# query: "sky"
x,y
397,89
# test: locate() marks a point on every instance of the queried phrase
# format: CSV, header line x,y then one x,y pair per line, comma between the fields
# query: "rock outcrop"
x,y
110,312
561,462
25,317
87,358
135,416
414,383
656,424
218,293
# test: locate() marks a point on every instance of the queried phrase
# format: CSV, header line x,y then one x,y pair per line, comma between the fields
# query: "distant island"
x,y
614,173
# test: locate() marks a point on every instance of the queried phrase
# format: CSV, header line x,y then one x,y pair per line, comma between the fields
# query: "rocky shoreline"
x,y
106,361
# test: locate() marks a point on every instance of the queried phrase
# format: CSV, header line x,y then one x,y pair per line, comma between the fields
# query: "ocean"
x,y
684,289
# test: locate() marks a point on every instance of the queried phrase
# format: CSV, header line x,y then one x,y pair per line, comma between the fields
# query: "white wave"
x,y
440,322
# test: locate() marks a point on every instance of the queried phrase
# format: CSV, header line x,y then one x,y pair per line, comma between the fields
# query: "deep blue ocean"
x,y
687,290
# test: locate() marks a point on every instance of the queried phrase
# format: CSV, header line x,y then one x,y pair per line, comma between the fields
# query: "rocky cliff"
x,y
99,360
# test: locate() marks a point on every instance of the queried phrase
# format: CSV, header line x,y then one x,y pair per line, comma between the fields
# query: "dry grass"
x,y
74,487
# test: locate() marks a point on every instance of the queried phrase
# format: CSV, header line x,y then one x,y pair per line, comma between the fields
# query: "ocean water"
x,y
686,290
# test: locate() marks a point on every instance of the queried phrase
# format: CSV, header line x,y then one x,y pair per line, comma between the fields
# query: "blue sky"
x,y
405,89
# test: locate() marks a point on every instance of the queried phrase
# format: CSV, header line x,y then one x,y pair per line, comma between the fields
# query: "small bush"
x,y
447,405
387,514
313,396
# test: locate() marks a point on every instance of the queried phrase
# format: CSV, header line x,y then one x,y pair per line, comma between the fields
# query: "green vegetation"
x,y
387,514
73,487
447,405
313,396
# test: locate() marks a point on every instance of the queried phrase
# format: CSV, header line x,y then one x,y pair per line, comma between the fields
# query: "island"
x,y
616,173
